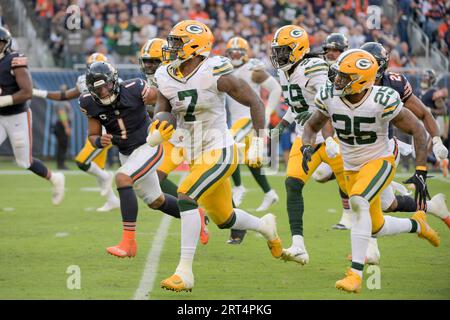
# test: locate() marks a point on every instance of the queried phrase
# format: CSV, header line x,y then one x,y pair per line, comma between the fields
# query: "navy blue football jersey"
x,y
427,98
399,83
126,119
8,84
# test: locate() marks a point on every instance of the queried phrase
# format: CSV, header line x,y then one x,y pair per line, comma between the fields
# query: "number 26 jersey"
x,y
362,128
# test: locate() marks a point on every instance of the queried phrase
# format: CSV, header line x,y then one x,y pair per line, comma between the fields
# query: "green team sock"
x,y
260,178
169,187
295,205
236,176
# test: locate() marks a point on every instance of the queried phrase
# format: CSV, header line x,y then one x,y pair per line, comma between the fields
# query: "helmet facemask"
x,y
236,52
343,82
104,88
149,65
281,57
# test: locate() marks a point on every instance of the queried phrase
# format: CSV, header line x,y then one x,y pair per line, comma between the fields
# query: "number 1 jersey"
x,y
198,105
362,128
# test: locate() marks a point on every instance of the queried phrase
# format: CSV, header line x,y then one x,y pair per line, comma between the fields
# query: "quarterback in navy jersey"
x,y
120,109
15,114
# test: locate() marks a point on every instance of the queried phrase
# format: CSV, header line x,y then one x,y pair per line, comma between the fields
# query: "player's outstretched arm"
x,y
57,95
312,126
408,123
240,91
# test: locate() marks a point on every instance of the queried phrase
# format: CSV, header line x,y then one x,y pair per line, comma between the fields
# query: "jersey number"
x,y
361,137
189,116
295,95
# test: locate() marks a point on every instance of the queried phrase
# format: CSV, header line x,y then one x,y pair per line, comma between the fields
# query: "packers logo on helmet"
x,y
289,45
356,71
187,39
237,50
150,56
96,57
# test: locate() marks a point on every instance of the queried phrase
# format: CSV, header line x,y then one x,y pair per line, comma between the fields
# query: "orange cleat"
x,y
447,221
444,167
351,283
126,248
175,283
426,232
204,234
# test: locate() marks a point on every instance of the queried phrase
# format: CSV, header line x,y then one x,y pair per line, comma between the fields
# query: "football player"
x,y
301,77
253,72
90,159
121,109
193,87
360,113
15,114
150,58
391,203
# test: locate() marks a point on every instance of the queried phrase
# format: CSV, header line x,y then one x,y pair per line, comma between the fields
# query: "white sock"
x,y
393,225
361,230
297,241
95,170
190,233
246,221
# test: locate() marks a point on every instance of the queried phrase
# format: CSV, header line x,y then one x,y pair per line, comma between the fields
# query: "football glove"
x,y
307,151
255,152
419,180
331,148
439,150
302,117
158,134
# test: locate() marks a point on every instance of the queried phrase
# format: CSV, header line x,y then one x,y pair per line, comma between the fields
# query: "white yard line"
x,y
152,261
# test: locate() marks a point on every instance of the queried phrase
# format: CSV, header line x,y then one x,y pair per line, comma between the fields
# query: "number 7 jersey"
x,y
362,128
198,105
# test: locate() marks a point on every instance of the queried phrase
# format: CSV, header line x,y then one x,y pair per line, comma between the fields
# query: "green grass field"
x,y
39,242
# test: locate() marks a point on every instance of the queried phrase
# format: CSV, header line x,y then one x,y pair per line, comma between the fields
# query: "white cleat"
x,y
109,205
238,195
437,207
296,254
400,188
106,185
58,181
346,221
373,253
270,198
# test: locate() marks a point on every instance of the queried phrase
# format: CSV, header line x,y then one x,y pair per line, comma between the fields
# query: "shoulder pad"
x,y
315,66
220,65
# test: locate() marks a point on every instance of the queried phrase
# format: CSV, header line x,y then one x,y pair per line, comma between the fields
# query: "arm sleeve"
x,y
393,107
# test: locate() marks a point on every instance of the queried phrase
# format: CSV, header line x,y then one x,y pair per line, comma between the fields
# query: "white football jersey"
x,y
198,105
244,72
362,128
81,83
300,88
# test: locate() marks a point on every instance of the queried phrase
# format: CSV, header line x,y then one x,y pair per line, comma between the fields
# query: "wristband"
x,y
6,101
98,143
421,168
40,93
436,140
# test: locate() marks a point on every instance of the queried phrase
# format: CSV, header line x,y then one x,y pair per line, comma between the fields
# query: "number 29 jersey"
x,y
362,128
198,105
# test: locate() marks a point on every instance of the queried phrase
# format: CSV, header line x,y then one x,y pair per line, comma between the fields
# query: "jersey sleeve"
x,y
392,108
84,102
316,67
81,84
135,88
399,83
221,66
19,60
320,100
256,65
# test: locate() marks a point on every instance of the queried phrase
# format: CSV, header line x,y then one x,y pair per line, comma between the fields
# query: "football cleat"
x,y
437,207
109,205
346,221
270,233
238,195
426,232
270,198
204,234
236,236
176,283
372,254
58,181
351,283
126,248
296,254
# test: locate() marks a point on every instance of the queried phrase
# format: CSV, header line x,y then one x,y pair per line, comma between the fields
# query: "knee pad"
x,y
83,165
358,204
